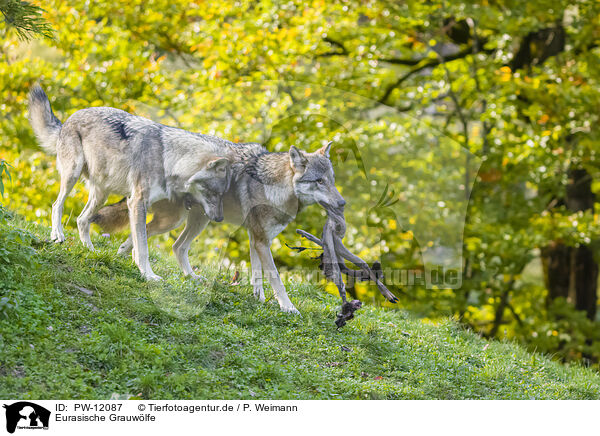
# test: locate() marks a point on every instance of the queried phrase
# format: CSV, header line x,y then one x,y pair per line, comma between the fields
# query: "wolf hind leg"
x,y
196,223
96,199
69,161
167,216
137,206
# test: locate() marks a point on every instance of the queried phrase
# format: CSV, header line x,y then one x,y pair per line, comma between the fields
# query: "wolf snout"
x,y
341,203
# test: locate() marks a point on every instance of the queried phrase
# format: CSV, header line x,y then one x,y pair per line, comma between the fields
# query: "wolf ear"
x,y
325,150
214,168
218,166
297,159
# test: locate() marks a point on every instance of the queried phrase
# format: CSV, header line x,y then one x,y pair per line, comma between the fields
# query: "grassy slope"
x,y
181,340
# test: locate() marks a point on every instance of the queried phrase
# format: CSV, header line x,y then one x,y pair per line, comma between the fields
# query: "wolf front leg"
x,y
137,217
268,266
196,222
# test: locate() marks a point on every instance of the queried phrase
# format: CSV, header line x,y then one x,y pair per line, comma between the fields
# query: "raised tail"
x,y
45,125
113,217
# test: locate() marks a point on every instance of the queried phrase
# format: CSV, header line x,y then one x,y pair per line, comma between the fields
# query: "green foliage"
x,y
25,18
3,172
16,254
304,72
92,328
16,262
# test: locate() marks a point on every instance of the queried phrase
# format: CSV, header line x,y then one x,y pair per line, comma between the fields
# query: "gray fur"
x,y
267,192
129,155
45,125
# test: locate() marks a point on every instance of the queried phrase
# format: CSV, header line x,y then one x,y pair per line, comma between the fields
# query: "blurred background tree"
x,y
415,95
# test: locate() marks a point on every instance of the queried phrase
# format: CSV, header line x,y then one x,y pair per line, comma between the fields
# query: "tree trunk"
x,y
586,273
572,272
557,267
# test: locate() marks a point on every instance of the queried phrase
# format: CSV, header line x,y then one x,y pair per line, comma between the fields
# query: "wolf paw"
x,y
89,245
260,294
196,277
290,309
57,236
152,277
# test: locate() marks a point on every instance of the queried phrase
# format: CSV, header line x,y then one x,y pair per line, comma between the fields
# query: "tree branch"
x,y
425,63
344,51
26,19
401,61
515,314
486,126
500,308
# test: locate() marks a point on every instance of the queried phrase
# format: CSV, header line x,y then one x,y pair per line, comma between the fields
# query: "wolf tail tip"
x,y
45,125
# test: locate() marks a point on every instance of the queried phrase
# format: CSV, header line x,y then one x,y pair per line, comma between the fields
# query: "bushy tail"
x,y
113,217
45,125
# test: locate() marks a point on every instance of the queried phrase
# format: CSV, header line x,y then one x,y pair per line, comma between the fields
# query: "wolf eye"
x,y
320,181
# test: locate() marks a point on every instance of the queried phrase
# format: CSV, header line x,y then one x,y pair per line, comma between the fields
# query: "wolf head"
x,y
207,187
314,181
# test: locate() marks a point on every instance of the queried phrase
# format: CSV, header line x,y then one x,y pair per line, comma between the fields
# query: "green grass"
x,y
179,339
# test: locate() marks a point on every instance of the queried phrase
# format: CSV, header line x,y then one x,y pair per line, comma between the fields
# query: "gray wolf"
x,y
267,192
120,153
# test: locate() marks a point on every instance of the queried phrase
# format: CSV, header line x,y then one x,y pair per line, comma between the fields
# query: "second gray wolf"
x,y
268,190
120,153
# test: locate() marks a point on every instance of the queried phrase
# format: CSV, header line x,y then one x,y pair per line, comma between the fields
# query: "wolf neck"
x,y
274,172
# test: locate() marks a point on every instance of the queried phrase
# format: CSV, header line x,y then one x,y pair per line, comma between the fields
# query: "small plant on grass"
x,y
16,253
